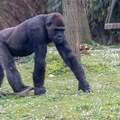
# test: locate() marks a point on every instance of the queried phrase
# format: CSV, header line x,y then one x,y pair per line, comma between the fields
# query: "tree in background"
x,y
13,12
76,22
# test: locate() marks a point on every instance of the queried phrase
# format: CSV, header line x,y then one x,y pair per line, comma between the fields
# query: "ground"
x,y
63,101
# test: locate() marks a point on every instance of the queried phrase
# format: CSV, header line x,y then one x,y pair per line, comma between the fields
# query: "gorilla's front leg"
x,y
39,70
38,77
72,61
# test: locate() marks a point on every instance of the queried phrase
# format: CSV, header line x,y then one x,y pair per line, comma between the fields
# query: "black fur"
x,y
33,35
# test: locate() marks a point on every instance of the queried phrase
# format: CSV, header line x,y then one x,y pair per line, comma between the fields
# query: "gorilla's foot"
x,y
25,92
39,90
4,92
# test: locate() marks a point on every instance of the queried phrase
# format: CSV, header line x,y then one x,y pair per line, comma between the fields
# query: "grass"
x,y
63,101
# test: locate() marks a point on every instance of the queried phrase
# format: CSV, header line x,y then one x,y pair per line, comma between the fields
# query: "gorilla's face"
x,y
55,28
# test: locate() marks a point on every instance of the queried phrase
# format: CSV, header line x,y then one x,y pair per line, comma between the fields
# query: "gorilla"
x,y
33,36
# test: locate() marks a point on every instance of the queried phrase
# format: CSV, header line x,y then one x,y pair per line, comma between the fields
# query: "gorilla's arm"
x,y
71,60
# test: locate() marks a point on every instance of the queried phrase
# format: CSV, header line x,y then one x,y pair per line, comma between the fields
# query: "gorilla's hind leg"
x,y
1,75
13,76
1,80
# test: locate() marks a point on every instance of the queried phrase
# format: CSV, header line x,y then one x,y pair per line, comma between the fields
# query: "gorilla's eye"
x,y
48,24
62,29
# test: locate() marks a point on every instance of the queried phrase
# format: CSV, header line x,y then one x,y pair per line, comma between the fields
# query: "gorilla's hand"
x,y
84,86
39,90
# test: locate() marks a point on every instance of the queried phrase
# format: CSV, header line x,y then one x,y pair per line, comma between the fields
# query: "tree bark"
x,y
83,21
76,23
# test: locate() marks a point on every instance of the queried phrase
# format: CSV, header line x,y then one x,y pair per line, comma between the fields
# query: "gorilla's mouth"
x,y
57,41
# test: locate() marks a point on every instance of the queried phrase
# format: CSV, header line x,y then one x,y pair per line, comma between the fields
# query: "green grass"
x,y
63,101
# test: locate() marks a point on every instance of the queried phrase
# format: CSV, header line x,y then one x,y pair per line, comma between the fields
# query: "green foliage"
x,y
54,6
56,68
116,11
55,63
97,9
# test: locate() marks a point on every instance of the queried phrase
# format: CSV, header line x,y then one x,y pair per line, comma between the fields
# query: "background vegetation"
x,y
97,11
16,11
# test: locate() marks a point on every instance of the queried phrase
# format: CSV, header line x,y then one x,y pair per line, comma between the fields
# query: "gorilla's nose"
x,y
60,36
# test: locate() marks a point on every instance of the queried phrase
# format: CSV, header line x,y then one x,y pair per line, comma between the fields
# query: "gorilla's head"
x,y
55,27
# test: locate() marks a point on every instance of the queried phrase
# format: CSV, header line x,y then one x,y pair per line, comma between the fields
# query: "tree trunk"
x,y
76,23
84,29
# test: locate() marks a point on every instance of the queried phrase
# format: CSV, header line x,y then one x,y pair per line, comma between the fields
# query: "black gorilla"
x,y
33,35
